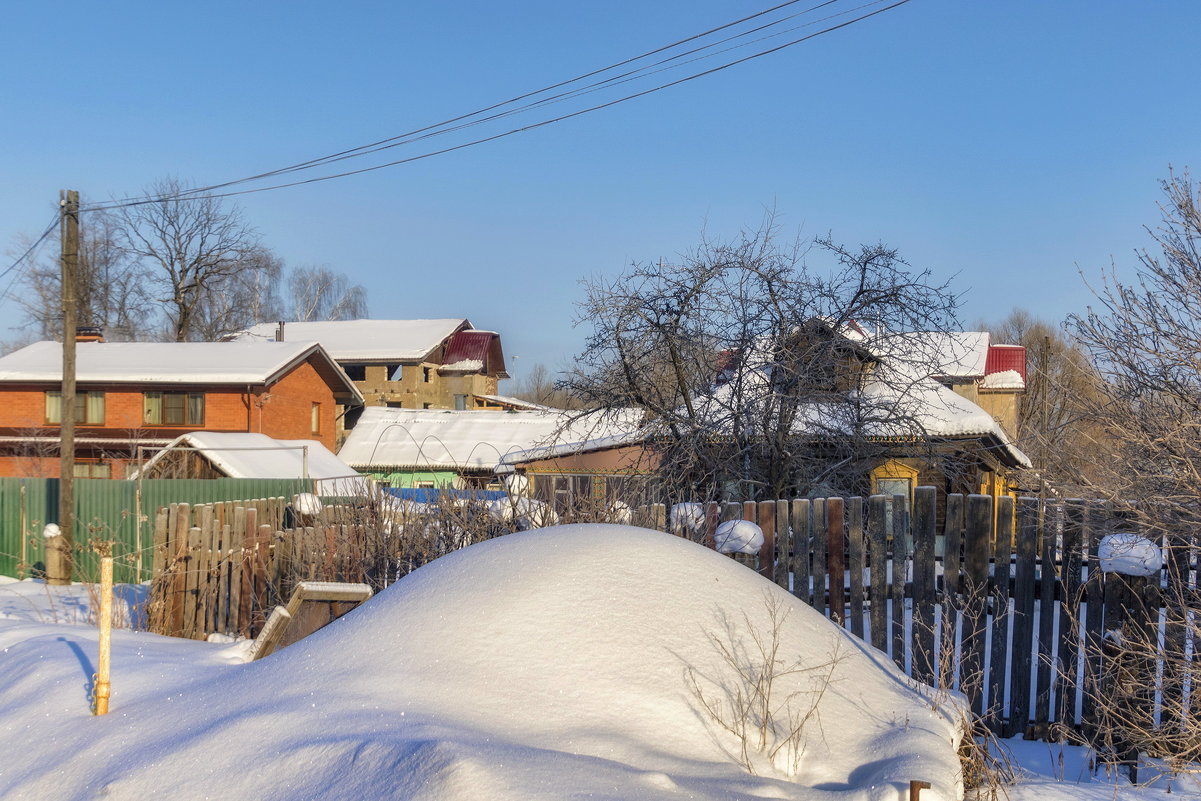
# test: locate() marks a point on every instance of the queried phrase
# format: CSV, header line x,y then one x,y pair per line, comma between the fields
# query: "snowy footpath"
x,y
586,661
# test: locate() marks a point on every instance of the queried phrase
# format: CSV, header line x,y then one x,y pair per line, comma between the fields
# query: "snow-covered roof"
x,y
238,363
245,455
516,403
452,440
945,354
366,340
1006,379
901,393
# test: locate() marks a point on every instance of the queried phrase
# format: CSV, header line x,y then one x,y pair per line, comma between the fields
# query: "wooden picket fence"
x,y
1005,603
222,567
1001,600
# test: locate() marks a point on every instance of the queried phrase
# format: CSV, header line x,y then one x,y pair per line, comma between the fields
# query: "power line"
x,y
37,243
425,132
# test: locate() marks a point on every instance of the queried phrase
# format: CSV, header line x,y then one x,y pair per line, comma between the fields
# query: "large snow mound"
x,y
566,662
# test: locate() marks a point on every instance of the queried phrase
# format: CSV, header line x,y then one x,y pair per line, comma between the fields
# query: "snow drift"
x,y
549,664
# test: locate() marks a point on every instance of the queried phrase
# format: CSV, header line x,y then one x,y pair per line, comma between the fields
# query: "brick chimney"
x,y
89,333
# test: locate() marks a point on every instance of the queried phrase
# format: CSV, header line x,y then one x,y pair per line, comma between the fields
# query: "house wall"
x,y
410,478
412,391
287,413
1002,405
631,459
283,410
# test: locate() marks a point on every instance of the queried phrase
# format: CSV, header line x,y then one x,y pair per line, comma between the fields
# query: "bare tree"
x,y
319,293
1054,424
111,288
760,375
192,248
1145,338
539,387
247,297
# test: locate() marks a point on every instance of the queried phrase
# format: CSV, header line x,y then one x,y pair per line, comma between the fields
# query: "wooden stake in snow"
x,y
103,687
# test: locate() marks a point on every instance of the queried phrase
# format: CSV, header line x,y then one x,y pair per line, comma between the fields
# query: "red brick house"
x,y
133,395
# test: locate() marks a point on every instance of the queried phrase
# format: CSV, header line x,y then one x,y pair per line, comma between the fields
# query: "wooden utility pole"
x,y
59,555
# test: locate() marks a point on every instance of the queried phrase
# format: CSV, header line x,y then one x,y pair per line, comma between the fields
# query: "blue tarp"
x,y
432,494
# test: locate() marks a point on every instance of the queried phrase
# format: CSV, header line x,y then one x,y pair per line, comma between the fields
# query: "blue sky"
x,y
1005,144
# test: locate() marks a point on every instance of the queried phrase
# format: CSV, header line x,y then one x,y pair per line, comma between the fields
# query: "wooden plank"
x,y
262,585
1069,614
836,558
925,501
272,633
820,543
783,545
221,618
802,536
1047,609
234,557
161,532
900,572
179,568
659,516
977,542
712,518
247,534
855,563
877,554
952,544
204,568
767,554
192,625
1023,615
999,590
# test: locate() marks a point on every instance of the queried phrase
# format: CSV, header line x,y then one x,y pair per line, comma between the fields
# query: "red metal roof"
x,y
1006,357
468,346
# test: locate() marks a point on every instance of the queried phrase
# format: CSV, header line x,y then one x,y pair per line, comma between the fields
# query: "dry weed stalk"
x,y
743,698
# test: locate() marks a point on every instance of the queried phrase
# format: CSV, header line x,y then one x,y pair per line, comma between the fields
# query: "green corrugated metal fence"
x,y
108,510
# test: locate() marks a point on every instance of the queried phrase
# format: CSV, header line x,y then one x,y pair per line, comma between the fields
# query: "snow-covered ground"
x,y
572,662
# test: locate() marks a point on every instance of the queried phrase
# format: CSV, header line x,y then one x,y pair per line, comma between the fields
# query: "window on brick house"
x,y
93,469
89,408
173,408
425,375
316,422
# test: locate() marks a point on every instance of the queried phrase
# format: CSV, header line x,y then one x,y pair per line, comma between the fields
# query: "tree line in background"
x,y
184,267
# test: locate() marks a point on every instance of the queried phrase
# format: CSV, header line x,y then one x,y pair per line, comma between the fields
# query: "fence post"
x,y
900,558
835,558
802,537
977,544
924,641
999,590
1069,615
878,557
784,545
1047,607
952,543
767,553
820,542
855,564
1023,616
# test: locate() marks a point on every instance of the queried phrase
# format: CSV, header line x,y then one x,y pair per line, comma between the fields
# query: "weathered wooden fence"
x,y
1003,601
